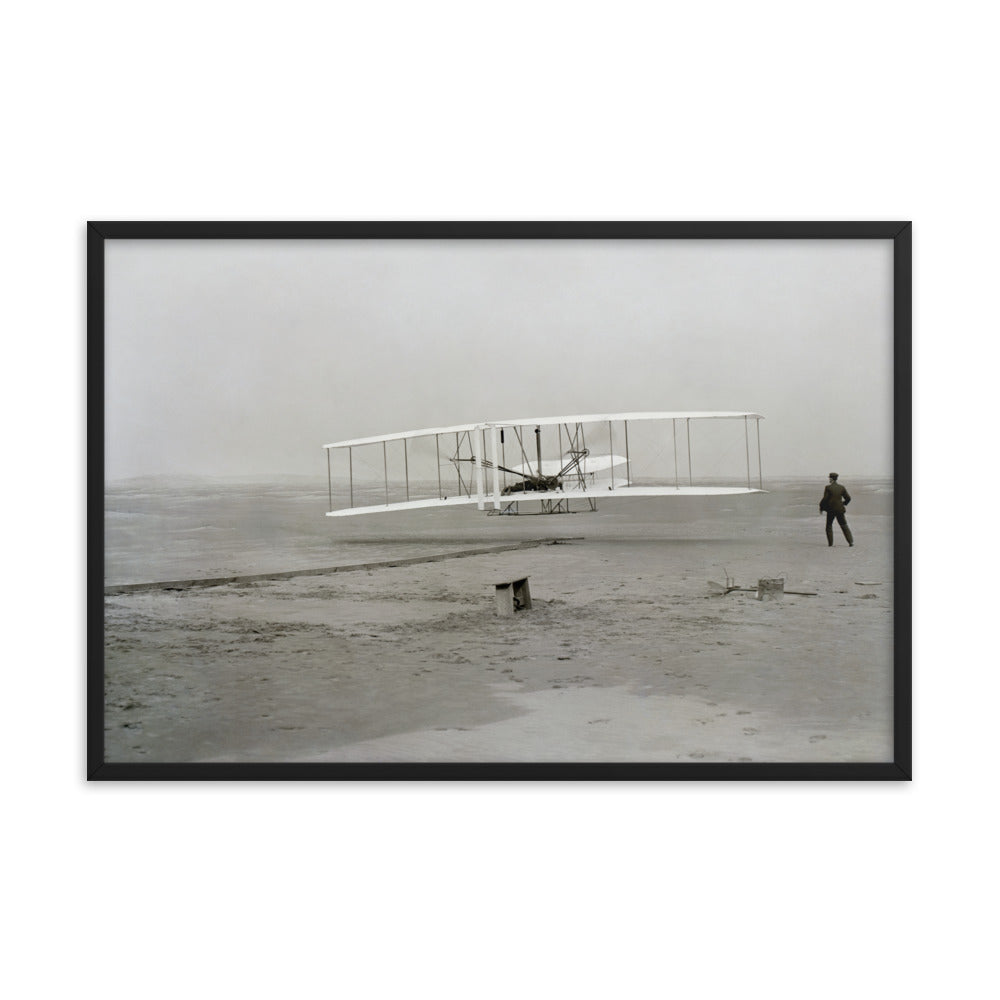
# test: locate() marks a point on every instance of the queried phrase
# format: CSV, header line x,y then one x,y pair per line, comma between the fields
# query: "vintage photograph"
x,y
568,498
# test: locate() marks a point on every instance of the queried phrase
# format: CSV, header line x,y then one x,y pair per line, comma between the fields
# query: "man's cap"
x,y
833,475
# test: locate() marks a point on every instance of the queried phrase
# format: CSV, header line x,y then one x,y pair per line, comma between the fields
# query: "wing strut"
x,y
611,451
479,445
628,468
690,480
496,471
385,466
760,472
677,481
746,437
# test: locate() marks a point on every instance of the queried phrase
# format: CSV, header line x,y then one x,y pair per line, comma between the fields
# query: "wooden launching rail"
x,y
113,590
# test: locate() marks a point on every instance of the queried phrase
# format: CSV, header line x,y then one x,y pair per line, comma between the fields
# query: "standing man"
x,y
834,505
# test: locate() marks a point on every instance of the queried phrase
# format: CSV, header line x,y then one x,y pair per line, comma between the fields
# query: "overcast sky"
x,y
245,357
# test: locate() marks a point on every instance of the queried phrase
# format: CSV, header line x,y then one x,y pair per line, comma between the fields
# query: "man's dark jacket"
x,y
835,498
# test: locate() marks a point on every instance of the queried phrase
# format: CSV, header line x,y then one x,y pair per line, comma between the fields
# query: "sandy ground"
x,y
626,655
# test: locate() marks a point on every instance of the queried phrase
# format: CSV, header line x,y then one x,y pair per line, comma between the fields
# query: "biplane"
x,y
551,462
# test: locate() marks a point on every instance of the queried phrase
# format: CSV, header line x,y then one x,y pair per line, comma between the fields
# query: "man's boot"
x,y
829,535
848,535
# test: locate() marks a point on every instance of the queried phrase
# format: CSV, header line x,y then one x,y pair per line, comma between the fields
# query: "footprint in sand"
x,y
816,739
749,731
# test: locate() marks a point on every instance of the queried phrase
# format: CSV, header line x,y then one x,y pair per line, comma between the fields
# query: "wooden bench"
x,y
513,595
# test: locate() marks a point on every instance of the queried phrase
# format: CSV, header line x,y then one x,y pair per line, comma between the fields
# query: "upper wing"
x,y
597,418
400,435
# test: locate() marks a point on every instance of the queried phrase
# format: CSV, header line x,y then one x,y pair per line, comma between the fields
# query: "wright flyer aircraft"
x,y
547,465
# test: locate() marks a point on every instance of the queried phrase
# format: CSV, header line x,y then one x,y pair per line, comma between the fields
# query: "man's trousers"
x,y
842,521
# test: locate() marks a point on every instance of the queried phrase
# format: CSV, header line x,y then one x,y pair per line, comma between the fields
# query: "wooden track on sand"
x,y
218,581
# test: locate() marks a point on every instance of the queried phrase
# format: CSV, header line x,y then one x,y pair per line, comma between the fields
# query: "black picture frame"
x,y
900,768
